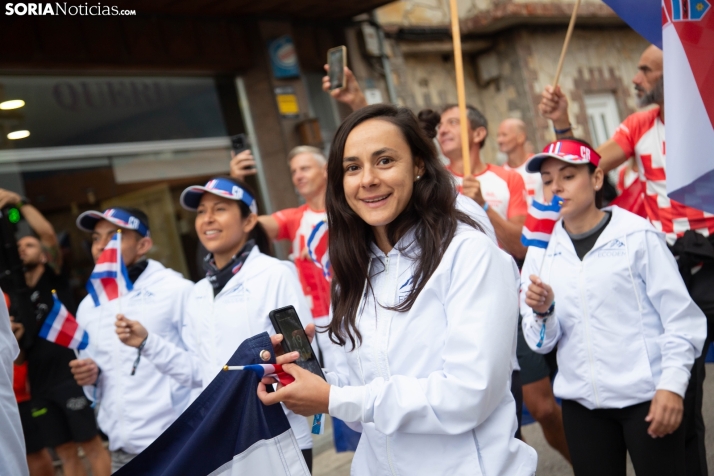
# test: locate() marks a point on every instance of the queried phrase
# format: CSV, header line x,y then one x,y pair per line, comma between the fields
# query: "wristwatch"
x,y
23,201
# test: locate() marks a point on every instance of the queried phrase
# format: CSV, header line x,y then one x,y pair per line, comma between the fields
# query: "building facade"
x,y
511,50
129,109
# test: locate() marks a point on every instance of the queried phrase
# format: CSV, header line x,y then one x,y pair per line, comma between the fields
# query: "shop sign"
x,y
283,58
287,101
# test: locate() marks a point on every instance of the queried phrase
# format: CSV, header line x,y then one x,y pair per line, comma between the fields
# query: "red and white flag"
x,y
109,279
61,327
540,222
688,41
317,247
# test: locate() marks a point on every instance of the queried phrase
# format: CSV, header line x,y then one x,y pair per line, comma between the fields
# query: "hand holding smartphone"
x,y
337,61
286,322
242,161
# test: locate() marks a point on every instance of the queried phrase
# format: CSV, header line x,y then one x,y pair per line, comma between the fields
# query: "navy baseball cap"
x,y
222,187
122,217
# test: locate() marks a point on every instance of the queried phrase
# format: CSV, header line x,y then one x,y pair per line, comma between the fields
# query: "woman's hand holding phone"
x,y
308,394
280,356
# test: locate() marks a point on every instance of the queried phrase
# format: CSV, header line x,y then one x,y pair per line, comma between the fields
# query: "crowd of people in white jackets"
x,y
435,325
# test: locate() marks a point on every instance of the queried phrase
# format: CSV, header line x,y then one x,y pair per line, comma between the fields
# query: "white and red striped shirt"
x,y
533,182
642,135
502,189
296,224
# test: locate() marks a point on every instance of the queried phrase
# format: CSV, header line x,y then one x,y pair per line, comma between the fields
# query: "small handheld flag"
x,y
109,279
265,370
61,327
317,248
540,223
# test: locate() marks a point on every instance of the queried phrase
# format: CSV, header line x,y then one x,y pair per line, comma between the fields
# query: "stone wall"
x,y
599,60
477,15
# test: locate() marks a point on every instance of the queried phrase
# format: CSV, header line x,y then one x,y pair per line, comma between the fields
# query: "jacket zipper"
x,y
379,368
587,330
212,322
121,390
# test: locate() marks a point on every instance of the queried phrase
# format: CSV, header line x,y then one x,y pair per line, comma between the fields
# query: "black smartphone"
x,y
336,62
239,143
286,322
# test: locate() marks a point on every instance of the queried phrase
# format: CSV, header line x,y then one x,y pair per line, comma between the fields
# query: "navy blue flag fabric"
x,y
643,16
226,431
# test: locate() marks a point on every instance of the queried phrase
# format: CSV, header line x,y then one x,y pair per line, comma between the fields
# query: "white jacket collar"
x,y
254,265
151,273
621,224
405,246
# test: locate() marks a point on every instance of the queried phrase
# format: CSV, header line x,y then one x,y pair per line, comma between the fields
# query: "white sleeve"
x,y
12,444
476,211
92,392
476,357
533,325
179,363
685,326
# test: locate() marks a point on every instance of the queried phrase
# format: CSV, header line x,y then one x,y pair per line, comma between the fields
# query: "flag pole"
x,y
460,88
542,261
120,261
54,296
571,26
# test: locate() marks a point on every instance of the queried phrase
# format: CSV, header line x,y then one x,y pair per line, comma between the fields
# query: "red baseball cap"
x,y
570,151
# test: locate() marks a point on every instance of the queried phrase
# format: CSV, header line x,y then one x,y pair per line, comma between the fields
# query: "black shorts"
x,y
534,366
64,414
33,437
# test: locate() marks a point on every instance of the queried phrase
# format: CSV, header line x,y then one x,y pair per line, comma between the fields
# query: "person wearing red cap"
x,y
689,232
626,330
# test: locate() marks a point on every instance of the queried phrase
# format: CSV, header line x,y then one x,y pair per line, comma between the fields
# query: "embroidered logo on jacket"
x,y
613,249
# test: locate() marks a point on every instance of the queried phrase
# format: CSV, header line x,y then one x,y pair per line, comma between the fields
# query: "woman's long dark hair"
x,y
431,212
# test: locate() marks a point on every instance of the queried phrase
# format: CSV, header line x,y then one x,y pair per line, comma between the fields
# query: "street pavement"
x,y
328,463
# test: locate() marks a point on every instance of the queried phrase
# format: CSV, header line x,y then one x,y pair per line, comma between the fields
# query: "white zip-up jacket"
x,y
216,326
431,386
624,323
135,409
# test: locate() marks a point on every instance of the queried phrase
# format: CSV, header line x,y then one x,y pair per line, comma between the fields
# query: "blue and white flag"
x,y
643,16
226,431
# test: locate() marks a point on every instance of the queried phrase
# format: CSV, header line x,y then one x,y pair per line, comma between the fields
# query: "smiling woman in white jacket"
x,y
232,303
626,330
424,307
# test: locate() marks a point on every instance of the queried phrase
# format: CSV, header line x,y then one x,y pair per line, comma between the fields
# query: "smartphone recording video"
x,y
336,62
